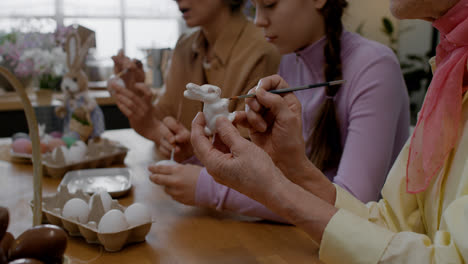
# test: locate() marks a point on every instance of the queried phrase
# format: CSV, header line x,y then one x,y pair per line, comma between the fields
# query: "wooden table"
x,y
181,234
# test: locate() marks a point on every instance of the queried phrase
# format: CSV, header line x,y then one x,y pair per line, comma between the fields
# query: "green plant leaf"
x,y
83,122
360,28
387,25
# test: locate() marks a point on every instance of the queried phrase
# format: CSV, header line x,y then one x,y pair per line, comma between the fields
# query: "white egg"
x,y
77,152
106,200
137,214
76,209
112,222
165,163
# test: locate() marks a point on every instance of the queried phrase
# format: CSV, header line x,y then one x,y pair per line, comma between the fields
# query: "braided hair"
x,y
325,141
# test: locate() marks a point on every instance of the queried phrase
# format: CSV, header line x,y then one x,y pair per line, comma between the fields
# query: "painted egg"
x,y
69,140
56,134
19,135
22,145
54,143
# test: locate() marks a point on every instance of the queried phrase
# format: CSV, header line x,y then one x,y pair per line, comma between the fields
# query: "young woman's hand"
x,y
180,141
137,106
179,181
131,71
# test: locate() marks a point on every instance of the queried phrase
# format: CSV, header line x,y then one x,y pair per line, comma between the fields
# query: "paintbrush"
x,y
287,90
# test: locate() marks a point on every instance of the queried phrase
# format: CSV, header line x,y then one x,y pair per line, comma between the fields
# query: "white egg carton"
x,y
112,242
104,156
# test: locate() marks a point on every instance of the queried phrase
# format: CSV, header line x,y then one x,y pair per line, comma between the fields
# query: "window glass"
x,y
27,8
142,34
108,34
152,8
87,8
43,25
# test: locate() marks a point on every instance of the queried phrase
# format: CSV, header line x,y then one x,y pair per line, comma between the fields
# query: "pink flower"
x,y
34,54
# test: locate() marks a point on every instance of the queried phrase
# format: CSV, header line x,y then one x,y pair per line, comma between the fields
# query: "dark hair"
x,y
325,141
235,5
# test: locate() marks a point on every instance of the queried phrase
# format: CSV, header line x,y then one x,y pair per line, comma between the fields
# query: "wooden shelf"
x,y
10,101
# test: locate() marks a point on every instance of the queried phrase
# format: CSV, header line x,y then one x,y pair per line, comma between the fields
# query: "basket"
x,y
36,150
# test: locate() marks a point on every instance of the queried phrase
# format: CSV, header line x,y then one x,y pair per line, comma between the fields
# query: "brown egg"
x,y
4,219
46,243
3,257
26,261
6,242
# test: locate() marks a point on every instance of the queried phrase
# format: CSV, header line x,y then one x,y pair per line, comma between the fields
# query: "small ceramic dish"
x,y
115,181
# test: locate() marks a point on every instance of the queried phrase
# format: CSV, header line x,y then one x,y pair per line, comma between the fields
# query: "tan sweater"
x,y
242,58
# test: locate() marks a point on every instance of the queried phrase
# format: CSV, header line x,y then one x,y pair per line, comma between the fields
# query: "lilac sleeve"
x,y
378,126
211,194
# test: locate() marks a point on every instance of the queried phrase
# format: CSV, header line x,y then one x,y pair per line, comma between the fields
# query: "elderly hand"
x,y
234,161
179,181
238,163
276,126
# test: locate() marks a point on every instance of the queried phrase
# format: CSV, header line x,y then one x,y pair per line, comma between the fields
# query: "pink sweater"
x,y
373,110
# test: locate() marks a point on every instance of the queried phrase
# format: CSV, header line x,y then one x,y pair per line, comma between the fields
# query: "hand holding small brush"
x,y
129,70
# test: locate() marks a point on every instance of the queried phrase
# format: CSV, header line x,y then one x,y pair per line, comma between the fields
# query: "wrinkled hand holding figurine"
x,y
213,106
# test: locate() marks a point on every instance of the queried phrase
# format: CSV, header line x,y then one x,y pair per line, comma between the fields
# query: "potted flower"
x,y
36,56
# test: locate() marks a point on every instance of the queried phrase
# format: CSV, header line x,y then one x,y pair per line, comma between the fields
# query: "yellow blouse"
x,y
429,227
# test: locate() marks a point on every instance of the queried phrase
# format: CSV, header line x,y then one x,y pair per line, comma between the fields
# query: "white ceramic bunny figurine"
x,y
81,113
213,104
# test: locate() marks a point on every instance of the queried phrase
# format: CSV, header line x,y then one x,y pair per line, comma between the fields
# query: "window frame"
x,y
60,16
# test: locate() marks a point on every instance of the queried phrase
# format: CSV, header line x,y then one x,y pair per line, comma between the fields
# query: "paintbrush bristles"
x,y
286,90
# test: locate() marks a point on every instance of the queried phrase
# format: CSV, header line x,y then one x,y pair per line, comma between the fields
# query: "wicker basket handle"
x,y
34,134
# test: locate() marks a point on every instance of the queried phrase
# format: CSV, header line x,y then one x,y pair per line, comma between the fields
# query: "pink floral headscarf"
x,y
438,124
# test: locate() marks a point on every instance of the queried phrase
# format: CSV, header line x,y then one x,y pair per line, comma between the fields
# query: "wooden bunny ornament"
x,y
82,115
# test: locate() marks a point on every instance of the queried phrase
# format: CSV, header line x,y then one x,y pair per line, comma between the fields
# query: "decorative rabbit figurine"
x,y
213,105
81,113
